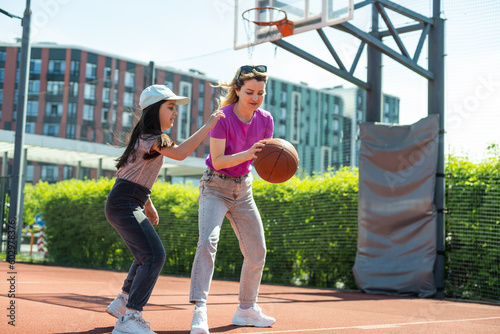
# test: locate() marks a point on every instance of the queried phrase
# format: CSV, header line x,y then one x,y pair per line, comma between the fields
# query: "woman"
x,y
129,208
226,190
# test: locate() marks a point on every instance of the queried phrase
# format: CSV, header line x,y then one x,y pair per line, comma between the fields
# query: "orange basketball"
x,y
277,162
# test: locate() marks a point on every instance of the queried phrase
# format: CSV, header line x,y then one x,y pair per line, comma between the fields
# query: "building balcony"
x,y
52,119
55,76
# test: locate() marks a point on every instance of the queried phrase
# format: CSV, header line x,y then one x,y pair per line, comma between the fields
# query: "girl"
x,y
129,208
226,190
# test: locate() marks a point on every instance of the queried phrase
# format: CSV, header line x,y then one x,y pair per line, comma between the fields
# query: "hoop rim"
x,y
262,23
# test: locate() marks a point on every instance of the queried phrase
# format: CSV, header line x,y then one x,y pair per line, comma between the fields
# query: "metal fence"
x,y
472,235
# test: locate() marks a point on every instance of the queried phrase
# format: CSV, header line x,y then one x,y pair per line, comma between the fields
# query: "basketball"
x,y
277,162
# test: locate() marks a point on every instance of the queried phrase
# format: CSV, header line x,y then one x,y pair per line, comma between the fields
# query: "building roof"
x,y
52,45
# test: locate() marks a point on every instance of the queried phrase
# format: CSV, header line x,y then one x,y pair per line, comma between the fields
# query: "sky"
x,y
199,34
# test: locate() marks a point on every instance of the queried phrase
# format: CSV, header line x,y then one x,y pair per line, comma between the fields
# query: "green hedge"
x,y
473,229
307,245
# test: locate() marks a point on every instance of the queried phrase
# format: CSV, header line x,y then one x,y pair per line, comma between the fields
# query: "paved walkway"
x,y
66,300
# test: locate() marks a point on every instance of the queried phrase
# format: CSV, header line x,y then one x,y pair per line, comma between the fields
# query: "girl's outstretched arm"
x,y
184,149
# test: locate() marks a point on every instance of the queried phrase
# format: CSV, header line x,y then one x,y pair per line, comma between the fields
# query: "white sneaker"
x,y
117,307
199,325
252,316
133,323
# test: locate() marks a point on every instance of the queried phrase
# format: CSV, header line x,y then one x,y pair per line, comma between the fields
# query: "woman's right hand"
x,y
257,147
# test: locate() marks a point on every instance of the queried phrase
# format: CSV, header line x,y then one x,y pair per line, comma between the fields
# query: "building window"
x,y
184,117
326,158
72,110
56,66
49,173
336,109
73,89
105,94
201,102
2,74
30,127
283,114
68,172
2,55
104,115
29,173
282,131
51,129
128,100
169,84
117,76
127,119
336,124
33,87
89,92
129,79
295,118
88,112
32,108
35,66
359,116
107,74
90,71
70,131
83,133
54,109
75,67
55,87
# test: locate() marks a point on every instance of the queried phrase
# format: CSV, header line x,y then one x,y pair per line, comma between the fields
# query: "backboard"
x,y
306,15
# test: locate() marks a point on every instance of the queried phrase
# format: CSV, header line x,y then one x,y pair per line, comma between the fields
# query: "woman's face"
x,y
251,94
168,113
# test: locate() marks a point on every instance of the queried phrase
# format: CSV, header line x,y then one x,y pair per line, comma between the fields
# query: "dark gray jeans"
x,y
125,212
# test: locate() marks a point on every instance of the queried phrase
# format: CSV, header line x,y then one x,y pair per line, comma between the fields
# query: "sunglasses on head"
x,y
250,68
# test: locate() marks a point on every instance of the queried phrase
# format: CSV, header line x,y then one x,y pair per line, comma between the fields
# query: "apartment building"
x,y
84,95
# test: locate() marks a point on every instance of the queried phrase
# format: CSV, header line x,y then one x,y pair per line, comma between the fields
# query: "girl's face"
x,y
168,113
251,94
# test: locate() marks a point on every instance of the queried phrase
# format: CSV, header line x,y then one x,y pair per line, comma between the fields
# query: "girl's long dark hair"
x,y
148,125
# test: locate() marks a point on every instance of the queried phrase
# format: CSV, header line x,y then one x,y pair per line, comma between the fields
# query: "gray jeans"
x,y
231,197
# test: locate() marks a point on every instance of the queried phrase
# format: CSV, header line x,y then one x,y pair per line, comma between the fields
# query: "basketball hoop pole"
x,y
374,75
435,102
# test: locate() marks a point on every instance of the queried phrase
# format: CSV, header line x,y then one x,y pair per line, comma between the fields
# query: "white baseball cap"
x,y
156,93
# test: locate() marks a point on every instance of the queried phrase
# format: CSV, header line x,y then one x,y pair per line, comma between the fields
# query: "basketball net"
x,y
263,24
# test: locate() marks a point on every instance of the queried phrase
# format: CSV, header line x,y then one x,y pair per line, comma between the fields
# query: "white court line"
x,y
378,326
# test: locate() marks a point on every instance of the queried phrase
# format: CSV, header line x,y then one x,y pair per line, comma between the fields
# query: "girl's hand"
x,y
151,213
214,118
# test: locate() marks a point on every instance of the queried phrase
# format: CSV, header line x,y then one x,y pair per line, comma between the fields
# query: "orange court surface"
x,y
50,299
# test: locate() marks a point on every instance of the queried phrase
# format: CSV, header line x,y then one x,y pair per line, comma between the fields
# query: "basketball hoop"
x,y
284,26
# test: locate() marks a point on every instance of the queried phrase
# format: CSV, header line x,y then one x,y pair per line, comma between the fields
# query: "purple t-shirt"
x,y
240,136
